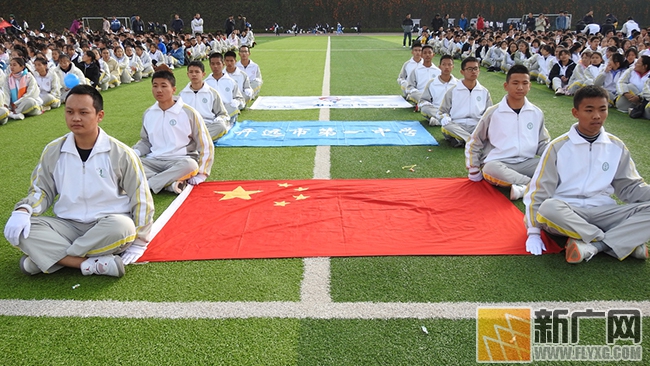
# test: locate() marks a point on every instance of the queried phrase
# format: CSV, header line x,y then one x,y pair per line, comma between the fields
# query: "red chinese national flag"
x,y
313,218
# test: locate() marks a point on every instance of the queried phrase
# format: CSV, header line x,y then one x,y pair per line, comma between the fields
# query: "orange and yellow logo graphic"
x,y
503,335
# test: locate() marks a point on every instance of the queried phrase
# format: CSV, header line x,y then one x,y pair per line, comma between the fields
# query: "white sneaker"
x,y
517,191
640,252
560,91
108,265
177,187
46,108
433,121
16,116
28,267
578,251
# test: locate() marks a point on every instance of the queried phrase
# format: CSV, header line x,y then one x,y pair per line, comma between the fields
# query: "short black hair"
x,y
230,54
164,74
427,46
468,60
98,101
198,64
446,57
216,55
587,92
517,69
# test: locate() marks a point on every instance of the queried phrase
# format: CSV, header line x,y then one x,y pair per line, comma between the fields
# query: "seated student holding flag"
x,y
507,139
103,210
175,146
570,192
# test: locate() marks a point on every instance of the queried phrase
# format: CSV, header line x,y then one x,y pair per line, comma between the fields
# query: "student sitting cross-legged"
x,y
508,139
571,191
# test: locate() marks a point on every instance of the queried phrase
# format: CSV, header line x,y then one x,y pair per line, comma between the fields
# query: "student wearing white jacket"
x,y
463,105
227,87
103,210
570,192
147,65
197,24
48,84
436,89
21,92
251,69
65,68
239,76
409,66
507,141
631,84
135,64
205,100
175,146
421,75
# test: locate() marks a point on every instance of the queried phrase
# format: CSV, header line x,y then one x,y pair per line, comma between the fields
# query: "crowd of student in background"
x,y
39,67
616,58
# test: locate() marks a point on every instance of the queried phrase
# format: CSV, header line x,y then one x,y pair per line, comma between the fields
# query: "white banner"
x,y
357,101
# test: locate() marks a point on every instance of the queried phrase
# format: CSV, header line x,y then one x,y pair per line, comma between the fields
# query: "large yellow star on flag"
x,y
238,192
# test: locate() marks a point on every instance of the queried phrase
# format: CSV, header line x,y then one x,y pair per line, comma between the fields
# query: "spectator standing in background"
x,y
407,26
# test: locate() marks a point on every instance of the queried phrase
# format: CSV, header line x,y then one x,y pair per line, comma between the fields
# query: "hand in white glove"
x,y
137,152
249,92
234,103
534,244
197,179
445,121
19,222
475,175
133,253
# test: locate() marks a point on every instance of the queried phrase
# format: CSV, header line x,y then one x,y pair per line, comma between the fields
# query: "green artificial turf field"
x,y
314,334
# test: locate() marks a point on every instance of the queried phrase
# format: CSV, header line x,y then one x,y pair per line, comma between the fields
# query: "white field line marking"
x,y
291,310
315,286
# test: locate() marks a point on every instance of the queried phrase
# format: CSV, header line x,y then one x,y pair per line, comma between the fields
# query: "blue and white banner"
x,y
356,101
327,133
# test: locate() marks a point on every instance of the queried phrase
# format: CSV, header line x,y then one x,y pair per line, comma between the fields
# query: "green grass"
x,y
294,66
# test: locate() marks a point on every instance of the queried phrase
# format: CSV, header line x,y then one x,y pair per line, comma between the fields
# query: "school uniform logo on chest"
x,y
172,122
100,172
529,125
205,100
605,166
227,89
478,98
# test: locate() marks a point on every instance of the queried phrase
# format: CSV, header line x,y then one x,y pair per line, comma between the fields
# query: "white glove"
x,y
475,175
249,92
445,121
234,103
197,179
19,222
534,244
133,253
137,152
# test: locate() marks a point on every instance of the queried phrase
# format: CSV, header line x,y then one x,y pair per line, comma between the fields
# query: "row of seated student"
x,y
564,61
48,68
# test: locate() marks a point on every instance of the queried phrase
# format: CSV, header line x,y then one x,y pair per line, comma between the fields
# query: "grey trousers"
x,y
503,174
458,131
621,227
52,238
161,173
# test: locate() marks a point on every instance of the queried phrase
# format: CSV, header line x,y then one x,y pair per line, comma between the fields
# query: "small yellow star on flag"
x,y
285,185
301,197
283,203
238,192
300,189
